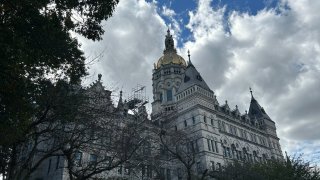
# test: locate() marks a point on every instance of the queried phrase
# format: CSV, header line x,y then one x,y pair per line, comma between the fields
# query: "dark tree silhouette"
x,y
37,51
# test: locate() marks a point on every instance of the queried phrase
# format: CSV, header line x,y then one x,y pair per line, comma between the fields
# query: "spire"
x,y
169,43
255,110
251,92
120,103
189,63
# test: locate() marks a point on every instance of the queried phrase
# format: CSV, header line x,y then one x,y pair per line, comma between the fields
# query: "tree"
x,y
37,51
289,168
179,146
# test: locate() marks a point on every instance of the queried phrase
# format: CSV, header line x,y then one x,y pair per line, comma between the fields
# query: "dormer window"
x,y
199,77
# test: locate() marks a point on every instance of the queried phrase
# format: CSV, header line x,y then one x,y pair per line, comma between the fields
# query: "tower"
x,y
166,79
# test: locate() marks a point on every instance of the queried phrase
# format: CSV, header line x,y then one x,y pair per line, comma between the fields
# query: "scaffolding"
x,y
138,97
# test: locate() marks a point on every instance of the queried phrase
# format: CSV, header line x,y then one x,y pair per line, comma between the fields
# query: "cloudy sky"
x,y
269,45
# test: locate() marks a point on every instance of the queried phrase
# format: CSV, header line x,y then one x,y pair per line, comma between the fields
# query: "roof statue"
x,y
99,77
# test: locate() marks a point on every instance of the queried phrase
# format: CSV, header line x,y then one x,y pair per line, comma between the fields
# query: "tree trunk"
x,y
12,163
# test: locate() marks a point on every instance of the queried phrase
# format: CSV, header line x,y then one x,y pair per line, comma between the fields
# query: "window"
x,y
179,174
219,166
205,119
198,167
49,166
216,144
176,128
162,173
78,158
212,166
143,170
58,161
185,123
168,174
149,171
223,126
212,144
161,97
169,95
193,120
93,158
126,170
209,146
197,146
120,170
107,160
212,122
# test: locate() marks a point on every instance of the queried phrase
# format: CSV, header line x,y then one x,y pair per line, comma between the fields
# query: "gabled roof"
x,y
256,111
192,77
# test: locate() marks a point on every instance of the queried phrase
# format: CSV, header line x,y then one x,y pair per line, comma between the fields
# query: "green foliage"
x,y
36,52
289,169
36,46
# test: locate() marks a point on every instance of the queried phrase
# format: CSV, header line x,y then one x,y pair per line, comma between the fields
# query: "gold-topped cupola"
x,y
170,55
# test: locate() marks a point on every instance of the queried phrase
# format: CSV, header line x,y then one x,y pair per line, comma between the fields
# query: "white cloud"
x,y
168,12
276,53
132,42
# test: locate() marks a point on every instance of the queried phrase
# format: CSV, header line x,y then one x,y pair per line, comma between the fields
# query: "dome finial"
x,y
189,63
99,77
169,43
251,91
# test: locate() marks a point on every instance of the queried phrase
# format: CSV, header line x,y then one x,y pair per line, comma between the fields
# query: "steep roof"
x,y
256,111
192,77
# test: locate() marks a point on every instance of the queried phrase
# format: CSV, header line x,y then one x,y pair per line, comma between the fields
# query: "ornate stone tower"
x,y
166,79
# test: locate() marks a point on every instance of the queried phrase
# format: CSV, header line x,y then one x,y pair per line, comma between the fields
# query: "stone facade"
x,y
222,134
182,101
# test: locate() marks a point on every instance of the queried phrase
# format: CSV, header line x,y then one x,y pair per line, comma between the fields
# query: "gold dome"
x,y
170,57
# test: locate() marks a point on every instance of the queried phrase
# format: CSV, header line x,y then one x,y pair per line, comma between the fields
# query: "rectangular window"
x,y
162,173
219,166
212,166
217,149
93,158
78,158
224,151
126,170
198,167
179,174
197,146
168,174
120,170
49,166
143,170
212,122
185,123
209,146
58,162
169,95
193,120
212,145
205,119
149,171
223,126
